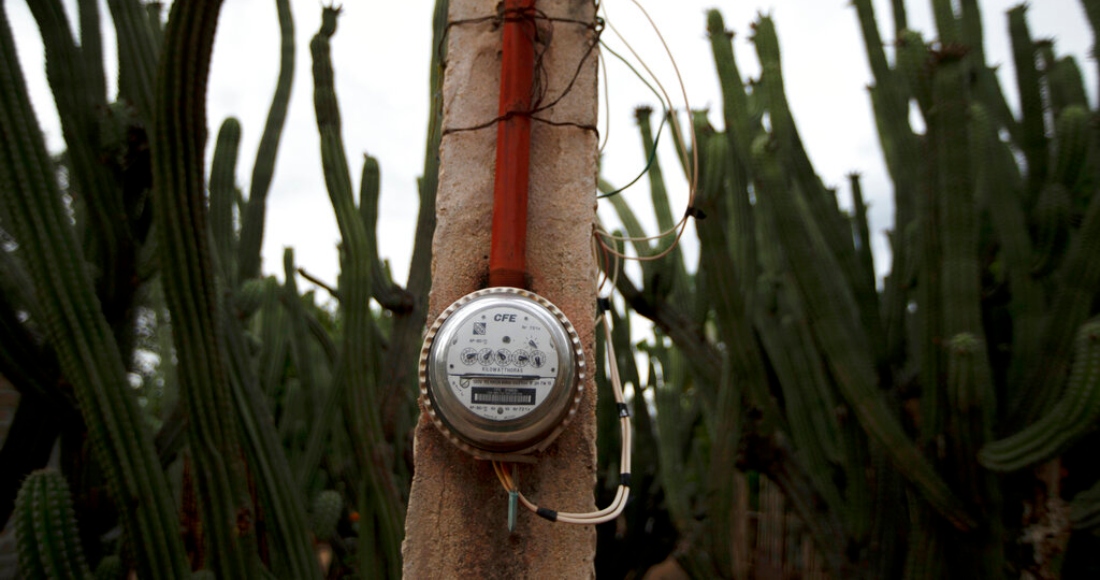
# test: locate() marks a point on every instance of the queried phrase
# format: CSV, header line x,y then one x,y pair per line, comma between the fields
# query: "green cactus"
x,y
45,530
189,289
78,329
138,54
364,423
252,215
223,189
327,506
109,568
1074,415
887,396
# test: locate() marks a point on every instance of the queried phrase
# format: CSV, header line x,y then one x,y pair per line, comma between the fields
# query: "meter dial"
x,y
501,371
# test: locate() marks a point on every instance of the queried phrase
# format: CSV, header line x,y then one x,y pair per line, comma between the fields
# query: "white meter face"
x,y
501,371
502,362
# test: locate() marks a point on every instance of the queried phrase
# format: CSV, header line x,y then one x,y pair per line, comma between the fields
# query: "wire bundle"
x,y
504,470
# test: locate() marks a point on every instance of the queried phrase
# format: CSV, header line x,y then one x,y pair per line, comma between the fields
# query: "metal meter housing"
x,y
502,372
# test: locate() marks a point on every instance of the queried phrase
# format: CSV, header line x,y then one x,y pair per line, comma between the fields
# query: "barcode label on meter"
x,y
498,396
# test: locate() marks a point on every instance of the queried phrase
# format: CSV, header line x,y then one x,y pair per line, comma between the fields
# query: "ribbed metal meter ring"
x,y
502,372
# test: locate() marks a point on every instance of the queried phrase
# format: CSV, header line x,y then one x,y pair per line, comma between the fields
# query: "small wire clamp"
x,y
513,499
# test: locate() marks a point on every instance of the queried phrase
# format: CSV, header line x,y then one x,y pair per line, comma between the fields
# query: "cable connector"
x,y
624,479
624,411
603,304
547,514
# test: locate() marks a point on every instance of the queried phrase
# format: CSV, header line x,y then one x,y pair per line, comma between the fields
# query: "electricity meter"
x,y
501,372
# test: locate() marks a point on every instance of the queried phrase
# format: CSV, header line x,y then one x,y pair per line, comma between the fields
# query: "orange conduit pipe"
x,y
507,253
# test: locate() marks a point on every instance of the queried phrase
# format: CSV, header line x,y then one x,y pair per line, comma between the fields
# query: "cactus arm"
x,y
1071,145
873,43
189,287
419,281
391,296
740,133
947,23
735,106
970,30
274,329
77,329
91,49
1067,86
1084,510
223,184
138,52
1052,229
252,218
682,147
862,232
1074,415
1033,138
890,101
901,16
154,12
669,274
359,343
286,523
863,282
791,154
998,188
722,276
46,533
657,189
311,457
299,341
76,105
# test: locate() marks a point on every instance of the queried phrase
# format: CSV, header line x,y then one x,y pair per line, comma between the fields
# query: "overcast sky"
x,y
381,54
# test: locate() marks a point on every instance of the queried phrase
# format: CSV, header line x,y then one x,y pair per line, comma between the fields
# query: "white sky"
x,y
381,53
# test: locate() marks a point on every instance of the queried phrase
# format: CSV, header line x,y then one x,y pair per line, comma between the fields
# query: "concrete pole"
x,y
456,524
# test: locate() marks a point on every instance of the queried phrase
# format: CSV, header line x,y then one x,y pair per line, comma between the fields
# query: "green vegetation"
x,y
916,430
260,400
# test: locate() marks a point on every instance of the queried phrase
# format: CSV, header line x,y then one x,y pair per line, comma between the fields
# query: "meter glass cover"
x,y
502,361
501,369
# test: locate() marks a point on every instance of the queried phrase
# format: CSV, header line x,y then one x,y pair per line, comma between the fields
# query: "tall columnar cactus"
x,y
361,350
77,329
78,297
45,530
871,408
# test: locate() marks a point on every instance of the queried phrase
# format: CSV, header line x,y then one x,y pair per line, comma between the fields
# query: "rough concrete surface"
x,y
456,526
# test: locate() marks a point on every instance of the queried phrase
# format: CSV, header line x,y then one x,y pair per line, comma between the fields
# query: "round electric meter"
x,y
501,372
